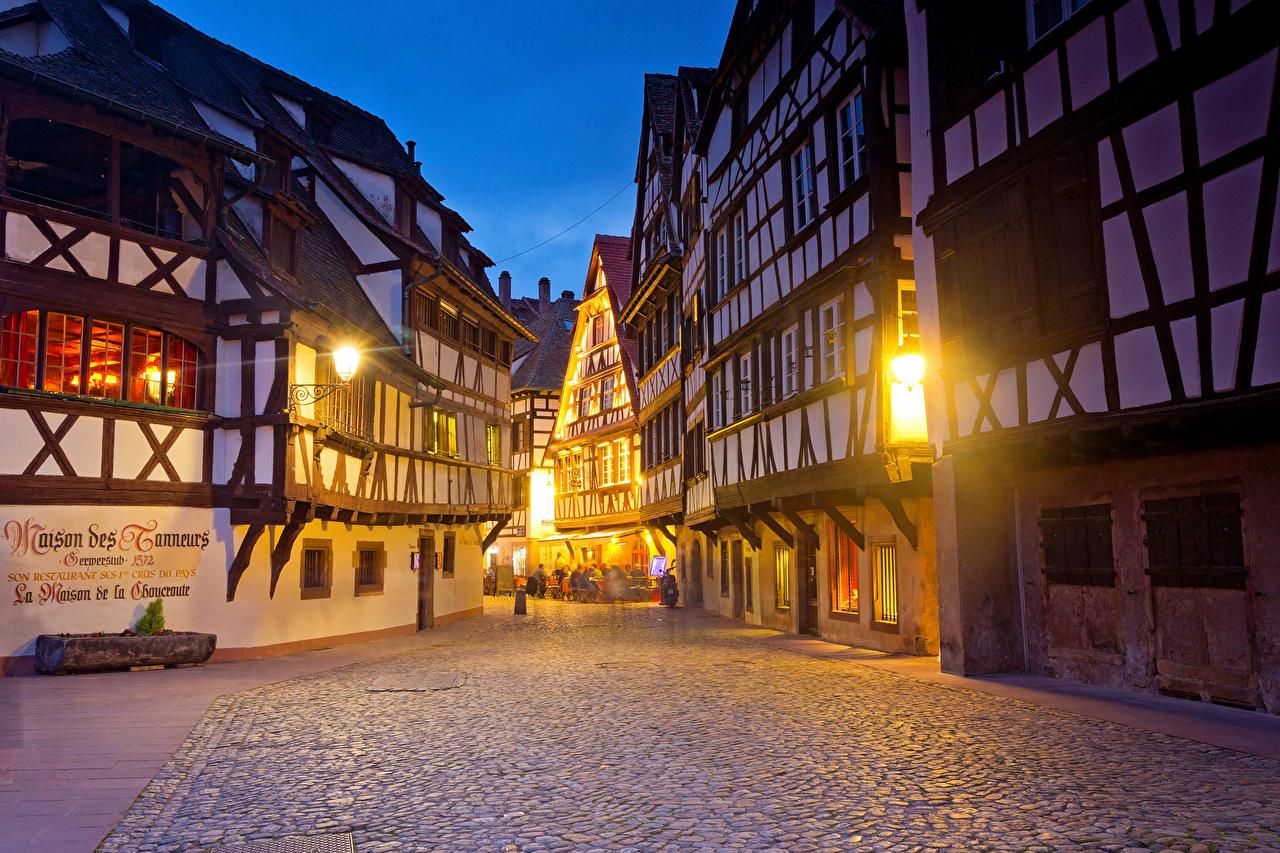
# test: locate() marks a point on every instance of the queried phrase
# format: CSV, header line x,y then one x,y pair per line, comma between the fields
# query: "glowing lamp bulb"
x,y
908,369
345,362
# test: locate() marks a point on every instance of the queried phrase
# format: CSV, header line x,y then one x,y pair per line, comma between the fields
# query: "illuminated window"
x,y
342,410
145,376
842,567
493,444
884,583
19,342
782,575
64,346
908,313
623,448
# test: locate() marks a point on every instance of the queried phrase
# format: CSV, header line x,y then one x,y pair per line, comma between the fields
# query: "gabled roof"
x,y
692,89
544,363
613,254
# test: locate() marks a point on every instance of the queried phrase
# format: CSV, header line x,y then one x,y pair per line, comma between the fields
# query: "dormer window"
x,y
319,127
146,38
284,246
276,174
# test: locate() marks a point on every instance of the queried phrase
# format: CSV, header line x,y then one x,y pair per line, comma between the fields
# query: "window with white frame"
x,y
832,341
745,397
584,401
739,247
717,399
790,352
606,392
1045,15
853,141
804,201
605,452
622,452
722,265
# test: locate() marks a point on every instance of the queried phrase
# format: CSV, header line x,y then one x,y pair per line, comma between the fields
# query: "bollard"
x,y
520,603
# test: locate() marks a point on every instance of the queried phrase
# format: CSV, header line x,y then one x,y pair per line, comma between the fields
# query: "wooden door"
x,y
739,586
807,580
426,582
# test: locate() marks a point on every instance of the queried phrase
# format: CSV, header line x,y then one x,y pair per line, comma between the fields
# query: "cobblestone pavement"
x,y
636,727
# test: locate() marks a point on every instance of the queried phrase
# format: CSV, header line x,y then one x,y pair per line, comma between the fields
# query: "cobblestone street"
x,y
636,727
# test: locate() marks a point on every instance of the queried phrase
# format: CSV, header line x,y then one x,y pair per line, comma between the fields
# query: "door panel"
x,y
426,582
739,596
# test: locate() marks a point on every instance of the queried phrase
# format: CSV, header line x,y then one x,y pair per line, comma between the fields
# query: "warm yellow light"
x,y
345,362
908,369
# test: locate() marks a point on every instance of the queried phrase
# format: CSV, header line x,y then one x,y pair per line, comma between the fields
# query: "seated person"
x,y
575,579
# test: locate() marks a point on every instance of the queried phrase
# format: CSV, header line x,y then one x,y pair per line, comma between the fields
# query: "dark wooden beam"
x,y
846,525
899,513
801,526
492,535
742,521
284,546
662,528
243,555
772,523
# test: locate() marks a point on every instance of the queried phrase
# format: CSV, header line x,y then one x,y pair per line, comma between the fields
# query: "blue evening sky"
x,y
526,114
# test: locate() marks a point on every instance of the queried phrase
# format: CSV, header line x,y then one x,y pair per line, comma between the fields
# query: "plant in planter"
x,y
148,643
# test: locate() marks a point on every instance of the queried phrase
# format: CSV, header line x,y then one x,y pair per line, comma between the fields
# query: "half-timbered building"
x,y
537,376
195,245
654,313
817,449
596,438
1099,259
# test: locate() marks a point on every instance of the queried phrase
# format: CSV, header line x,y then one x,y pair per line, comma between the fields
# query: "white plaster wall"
x,y
378,188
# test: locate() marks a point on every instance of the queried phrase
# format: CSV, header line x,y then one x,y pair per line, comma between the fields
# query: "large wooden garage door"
x,y
1200,601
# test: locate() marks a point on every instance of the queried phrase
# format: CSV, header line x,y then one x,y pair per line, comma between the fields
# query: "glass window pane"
x,y
19,338
145,374
62,353
106,360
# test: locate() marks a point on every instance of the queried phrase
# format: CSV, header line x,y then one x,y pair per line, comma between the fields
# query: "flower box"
x,y
97,652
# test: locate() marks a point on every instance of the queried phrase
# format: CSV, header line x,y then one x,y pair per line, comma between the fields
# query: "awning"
x,y
559,537
608,534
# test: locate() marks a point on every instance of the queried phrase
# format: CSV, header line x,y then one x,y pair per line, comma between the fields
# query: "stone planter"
x,y
86,653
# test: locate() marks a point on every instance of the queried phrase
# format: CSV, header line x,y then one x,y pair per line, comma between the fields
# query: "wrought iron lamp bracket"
x,y
306,394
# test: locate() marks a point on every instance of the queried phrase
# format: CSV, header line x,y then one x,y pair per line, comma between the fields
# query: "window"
x,y
317,569
284,246
717,399
447,555
1076,544
723,265
493,444
884,583
426,311
471,330
801,29
442,432
64,345
451,327
790,353
739,247
832,320
842,566
782,576
97,358
19,340
908,313
504,353
605,454
746,403
489,343
766,358
606,393
853,141
1045,15
804,201
519,490
519,434
738,117
584,400
623,447
344,409
370,566
597,331
724,568
1195,541
106,360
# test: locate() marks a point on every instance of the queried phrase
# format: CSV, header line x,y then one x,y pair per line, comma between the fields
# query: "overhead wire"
x,y
560,234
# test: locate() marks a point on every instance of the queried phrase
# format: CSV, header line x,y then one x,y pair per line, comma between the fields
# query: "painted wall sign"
x,y
49,561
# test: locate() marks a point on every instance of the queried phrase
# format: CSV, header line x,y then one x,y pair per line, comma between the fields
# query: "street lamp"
x,y
345,361
908,367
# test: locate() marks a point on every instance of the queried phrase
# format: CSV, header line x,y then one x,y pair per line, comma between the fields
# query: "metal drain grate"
x,y
341,842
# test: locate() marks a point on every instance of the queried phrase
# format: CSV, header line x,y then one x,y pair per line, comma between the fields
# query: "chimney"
x,y
566,294
544,293
504,289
